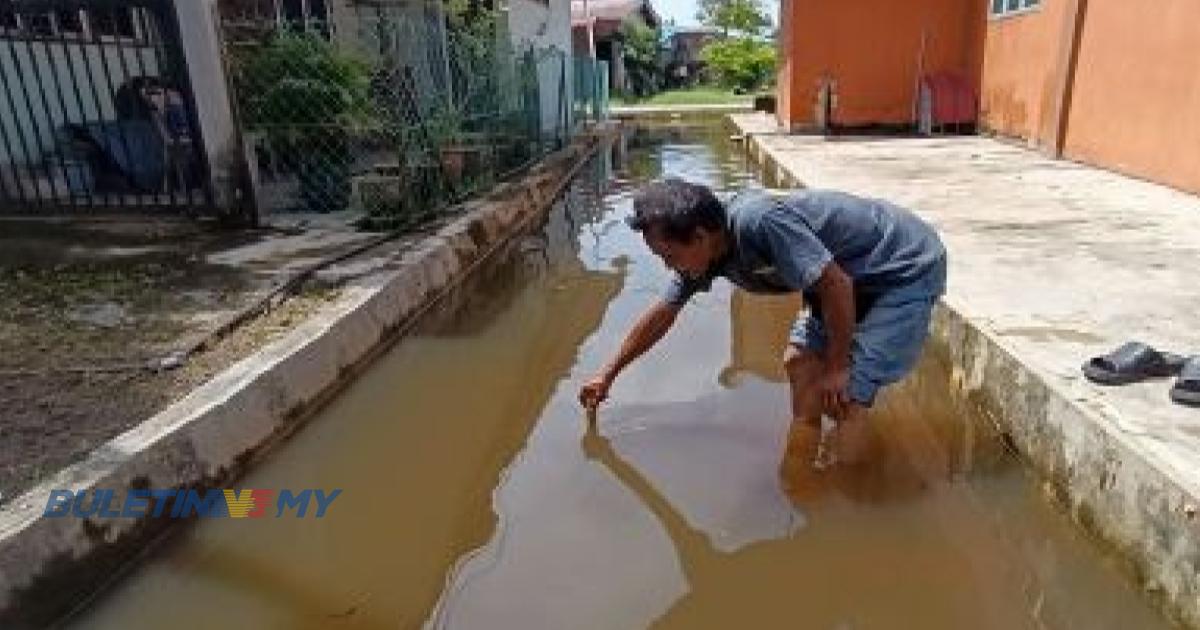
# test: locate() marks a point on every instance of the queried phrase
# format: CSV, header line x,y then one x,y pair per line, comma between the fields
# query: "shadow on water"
x,y
843,573
476,494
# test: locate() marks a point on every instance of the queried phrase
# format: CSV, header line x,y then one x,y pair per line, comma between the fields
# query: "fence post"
x,y
564,105
199,33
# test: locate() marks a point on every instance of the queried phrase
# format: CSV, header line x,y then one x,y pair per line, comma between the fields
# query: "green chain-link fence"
x,y
591,90
389,109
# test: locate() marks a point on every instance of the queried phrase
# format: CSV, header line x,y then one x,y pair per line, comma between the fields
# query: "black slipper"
x,y
1186,390
1132,362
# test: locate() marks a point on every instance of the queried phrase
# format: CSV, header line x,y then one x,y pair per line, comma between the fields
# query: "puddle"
x,y
477,495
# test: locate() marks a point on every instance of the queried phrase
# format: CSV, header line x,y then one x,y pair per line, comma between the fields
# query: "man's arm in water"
x,y
650,327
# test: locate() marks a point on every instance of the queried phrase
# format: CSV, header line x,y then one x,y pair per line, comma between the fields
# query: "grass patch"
x,y
703,95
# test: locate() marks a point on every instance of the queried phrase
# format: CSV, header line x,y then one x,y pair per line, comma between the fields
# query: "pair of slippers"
x,y
1136,361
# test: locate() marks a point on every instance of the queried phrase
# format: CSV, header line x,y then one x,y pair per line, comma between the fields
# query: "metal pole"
x,y
83,114
591,33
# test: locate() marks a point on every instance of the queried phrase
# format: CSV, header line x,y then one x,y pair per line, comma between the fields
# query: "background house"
x,y
683,64
1106,82
606,18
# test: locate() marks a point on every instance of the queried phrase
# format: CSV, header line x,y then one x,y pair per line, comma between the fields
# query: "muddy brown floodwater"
x,y
475,495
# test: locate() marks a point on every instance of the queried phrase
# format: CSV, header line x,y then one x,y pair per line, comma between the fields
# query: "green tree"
x,y
298,80
743,64
708,8
744,58
735,17
640,52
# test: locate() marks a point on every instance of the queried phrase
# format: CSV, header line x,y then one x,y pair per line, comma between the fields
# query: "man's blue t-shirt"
x,y
782,244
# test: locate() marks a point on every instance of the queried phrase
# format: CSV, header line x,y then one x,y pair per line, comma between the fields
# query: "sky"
x,y
684,11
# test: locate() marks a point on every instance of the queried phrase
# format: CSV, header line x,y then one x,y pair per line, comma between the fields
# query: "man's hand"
x,y
650,327
595,391
833,385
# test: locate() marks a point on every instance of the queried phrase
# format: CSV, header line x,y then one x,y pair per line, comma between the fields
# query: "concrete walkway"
x,y
1052,262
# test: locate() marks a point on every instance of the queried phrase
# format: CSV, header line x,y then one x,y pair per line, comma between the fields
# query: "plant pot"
x,y
454,163
465,161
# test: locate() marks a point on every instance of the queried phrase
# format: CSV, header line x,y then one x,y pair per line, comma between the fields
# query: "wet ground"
x,y
85,307
475,493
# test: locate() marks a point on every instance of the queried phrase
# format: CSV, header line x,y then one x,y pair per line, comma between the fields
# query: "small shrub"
x,y
310,99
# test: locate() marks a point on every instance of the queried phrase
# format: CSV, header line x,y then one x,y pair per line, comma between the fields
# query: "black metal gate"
x,y
97,112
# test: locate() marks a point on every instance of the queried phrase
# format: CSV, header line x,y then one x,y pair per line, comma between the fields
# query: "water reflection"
x,y
760,325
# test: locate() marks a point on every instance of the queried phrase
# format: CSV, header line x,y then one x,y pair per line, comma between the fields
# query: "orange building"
x,y
1107,82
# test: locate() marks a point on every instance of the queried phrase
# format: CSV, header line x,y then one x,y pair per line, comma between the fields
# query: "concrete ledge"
x,y
50,565
1111,472
1102,481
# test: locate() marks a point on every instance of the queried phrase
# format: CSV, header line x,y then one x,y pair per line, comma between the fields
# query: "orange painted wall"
x,y
1136,102
871,48
1020,72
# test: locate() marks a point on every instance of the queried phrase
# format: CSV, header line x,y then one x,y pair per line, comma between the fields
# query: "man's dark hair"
x,y
676,208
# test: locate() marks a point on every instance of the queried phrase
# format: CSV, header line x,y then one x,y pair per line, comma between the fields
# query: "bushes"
x,y
743,64
640,52
309,99
744,59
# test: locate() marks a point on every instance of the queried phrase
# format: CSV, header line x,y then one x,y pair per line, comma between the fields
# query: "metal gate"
x,y
98,113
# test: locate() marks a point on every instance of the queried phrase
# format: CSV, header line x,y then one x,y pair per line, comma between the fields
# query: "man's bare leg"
x,y
852,436
796,469
803,367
